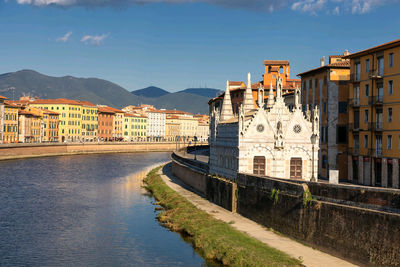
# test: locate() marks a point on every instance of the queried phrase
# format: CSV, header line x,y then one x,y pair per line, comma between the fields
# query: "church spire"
x,y
270,101
226,112
248,102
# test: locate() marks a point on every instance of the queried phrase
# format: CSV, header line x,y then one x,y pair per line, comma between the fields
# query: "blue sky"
x,y
176,44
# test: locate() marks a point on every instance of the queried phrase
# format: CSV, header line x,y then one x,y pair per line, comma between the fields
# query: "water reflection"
x,y
85,211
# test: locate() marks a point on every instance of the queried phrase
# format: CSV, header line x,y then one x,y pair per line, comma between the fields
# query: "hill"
x,y
207,92
150,91
29,82
97,91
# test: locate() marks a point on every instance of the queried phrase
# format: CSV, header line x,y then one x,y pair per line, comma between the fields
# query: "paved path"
x,y
310,256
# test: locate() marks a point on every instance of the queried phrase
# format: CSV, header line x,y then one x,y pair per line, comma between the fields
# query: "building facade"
x,y
30,127
50,124
327,87
374,116
105,124
156,124
135,127
10,122
90,121
2,99
268,140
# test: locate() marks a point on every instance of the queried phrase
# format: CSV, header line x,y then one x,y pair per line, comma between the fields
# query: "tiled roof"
x,y
86,103
116,110
56,101
106,110
3,97
235,83
10,104
375,48
276,62
342,64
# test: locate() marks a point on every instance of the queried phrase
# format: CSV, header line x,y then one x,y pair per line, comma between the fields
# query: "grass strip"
x,y
214,239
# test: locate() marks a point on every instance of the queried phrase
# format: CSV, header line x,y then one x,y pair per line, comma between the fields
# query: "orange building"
x,y
273,69
106,120
327,87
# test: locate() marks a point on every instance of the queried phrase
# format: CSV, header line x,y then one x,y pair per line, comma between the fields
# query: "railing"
x,y
354,102
376,74
376,152
375,126
375,100
354,126
355,77
353,150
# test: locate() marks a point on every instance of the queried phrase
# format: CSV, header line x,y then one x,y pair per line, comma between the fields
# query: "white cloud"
x,y
94,39
305,6
64,38
336,11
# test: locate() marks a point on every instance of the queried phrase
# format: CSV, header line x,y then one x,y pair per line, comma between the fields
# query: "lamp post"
x,y
313,140
195,141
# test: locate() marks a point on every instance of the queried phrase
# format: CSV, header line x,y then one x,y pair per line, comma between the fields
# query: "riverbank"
x,y
20,151
214,239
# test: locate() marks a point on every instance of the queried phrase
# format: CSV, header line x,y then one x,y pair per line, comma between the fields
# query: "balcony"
x,y
376,74
377,153
376,100
354,102
376,126
354,127
355,77
353,150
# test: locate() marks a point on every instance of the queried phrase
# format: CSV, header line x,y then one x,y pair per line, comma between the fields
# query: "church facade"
x,y
269,140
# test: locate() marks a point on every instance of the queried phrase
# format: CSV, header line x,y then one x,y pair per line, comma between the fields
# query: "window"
x,y
324,161
341,134
342,107
366,115
367,65
365,141
367,90
389,142
357,68
380,66
390,115
390,60
324,107
390,87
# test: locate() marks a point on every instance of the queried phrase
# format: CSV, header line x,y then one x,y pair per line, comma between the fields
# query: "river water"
x,y
84,211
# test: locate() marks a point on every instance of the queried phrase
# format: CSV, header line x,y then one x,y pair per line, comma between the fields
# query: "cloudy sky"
x,y
175,44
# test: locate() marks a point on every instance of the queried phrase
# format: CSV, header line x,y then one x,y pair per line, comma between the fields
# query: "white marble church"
x,y
269,140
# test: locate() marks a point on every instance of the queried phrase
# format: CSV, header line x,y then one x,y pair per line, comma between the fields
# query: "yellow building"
x,y
374,138
2,99
134,127
70,116
50,126
89,121
172,128
188,126
10,122
327,87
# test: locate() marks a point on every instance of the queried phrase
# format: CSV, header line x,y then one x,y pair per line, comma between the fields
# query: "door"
x,y
296,165
259,165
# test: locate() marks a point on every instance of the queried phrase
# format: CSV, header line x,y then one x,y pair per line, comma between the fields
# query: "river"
x,y
86,210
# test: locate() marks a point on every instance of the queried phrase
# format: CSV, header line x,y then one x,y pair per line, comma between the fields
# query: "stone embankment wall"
x,y
358,223
36,150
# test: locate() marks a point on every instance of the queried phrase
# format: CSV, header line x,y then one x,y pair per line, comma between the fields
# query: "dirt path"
x,y
310,256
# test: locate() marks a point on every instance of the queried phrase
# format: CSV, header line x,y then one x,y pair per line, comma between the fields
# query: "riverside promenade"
x,y
310,257
19,151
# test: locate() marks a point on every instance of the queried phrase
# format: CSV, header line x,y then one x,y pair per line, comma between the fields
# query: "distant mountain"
x,y
97,91
150,91
207,92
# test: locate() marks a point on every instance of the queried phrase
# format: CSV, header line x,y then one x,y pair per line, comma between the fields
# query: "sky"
x,y
177,44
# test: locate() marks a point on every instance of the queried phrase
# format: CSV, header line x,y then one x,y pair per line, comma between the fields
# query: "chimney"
x,y
322,61
346,52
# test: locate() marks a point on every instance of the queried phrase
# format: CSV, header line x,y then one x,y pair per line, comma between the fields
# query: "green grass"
x,y
214,239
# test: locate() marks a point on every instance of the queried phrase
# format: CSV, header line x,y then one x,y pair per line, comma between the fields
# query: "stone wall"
x,y
216,190
357,223
366,236
36,150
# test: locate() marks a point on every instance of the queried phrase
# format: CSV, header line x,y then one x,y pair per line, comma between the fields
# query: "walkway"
x,y
310,256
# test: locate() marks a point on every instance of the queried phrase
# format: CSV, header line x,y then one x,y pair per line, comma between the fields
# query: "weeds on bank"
x,y
214,239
